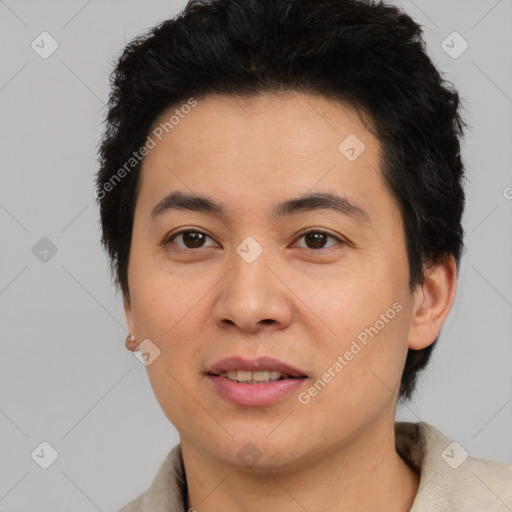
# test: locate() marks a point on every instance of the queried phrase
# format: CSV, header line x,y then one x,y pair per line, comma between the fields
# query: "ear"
x,y
129,322
433,301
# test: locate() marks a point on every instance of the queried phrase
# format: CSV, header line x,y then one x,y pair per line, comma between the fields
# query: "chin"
x,y
254,448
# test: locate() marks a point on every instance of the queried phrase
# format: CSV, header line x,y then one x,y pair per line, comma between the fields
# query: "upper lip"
x,y
231,364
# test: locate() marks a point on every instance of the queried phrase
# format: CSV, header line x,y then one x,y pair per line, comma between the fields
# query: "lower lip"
x,y
255,395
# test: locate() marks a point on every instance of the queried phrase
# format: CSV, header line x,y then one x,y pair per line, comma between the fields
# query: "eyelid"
x,y
306,231
167,239
321,231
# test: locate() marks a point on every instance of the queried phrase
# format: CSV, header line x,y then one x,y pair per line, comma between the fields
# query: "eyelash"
x,y
169,239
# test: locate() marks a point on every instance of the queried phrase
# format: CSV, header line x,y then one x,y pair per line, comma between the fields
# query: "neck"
x,y
365,474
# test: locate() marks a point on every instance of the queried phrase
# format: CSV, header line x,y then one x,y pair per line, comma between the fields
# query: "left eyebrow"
x,y
322,201
315,201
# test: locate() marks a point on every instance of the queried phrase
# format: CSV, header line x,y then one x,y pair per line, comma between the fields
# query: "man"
x,y
281,200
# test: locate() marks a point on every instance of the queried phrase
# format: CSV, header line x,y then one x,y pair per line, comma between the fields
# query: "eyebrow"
x,y
315,201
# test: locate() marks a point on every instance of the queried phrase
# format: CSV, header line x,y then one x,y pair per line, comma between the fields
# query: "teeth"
x,y
255,377
261,376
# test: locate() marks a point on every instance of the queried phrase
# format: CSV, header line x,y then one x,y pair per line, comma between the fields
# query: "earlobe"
x,y
433,301
131,339
131,343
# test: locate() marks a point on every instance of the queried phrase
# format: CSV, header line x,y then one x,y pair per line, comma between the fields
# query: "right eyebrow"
x,y
181,201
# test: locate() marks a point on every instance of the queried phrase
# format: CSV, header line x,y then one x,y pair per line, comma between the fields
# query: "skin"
x,y
295,302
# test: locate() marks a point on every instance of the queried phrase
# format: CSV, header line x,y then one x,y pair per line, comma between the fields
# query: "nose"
x,y
253,297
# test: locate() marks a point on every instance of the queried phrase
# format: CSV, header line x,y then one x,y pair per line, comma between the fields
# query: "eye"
x,y
316,239
191,239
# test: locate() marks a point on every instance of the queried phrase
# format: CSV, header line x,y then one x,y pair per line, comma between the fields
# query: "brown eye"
x,y
318,239
189,239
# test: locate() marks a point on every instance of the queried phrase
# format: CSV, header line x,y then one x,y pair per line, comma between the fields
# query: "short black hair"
x,y
367,53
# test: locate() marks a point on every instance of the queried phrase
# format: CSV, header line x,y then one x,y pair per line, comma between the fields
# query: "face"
x,y
319,285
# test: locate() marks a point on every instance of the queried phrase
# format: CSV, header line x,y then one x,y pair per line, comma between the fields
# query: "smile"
x,y
255,377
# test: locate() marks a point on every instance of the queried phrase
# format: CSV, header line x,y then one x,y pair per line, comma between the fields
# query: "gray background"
x,y
65,376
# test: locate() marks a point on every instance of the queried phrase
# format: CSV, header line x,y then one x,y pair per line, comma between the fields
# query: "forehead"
x,y
262,146
297,122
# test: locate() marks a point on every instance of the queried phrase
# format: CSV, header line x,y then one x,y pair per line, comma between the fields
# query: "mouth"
x,y
258,377
263,369
259,382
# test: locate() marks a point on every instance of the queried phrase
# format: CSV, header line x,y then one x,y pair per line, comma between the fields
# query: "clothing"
x,y
450,481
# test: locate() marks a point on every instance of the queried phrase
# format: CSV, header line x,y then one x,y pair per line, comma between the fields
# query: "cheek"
x,y
346,301
170,310
170,389
367,323
167,316
162,300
